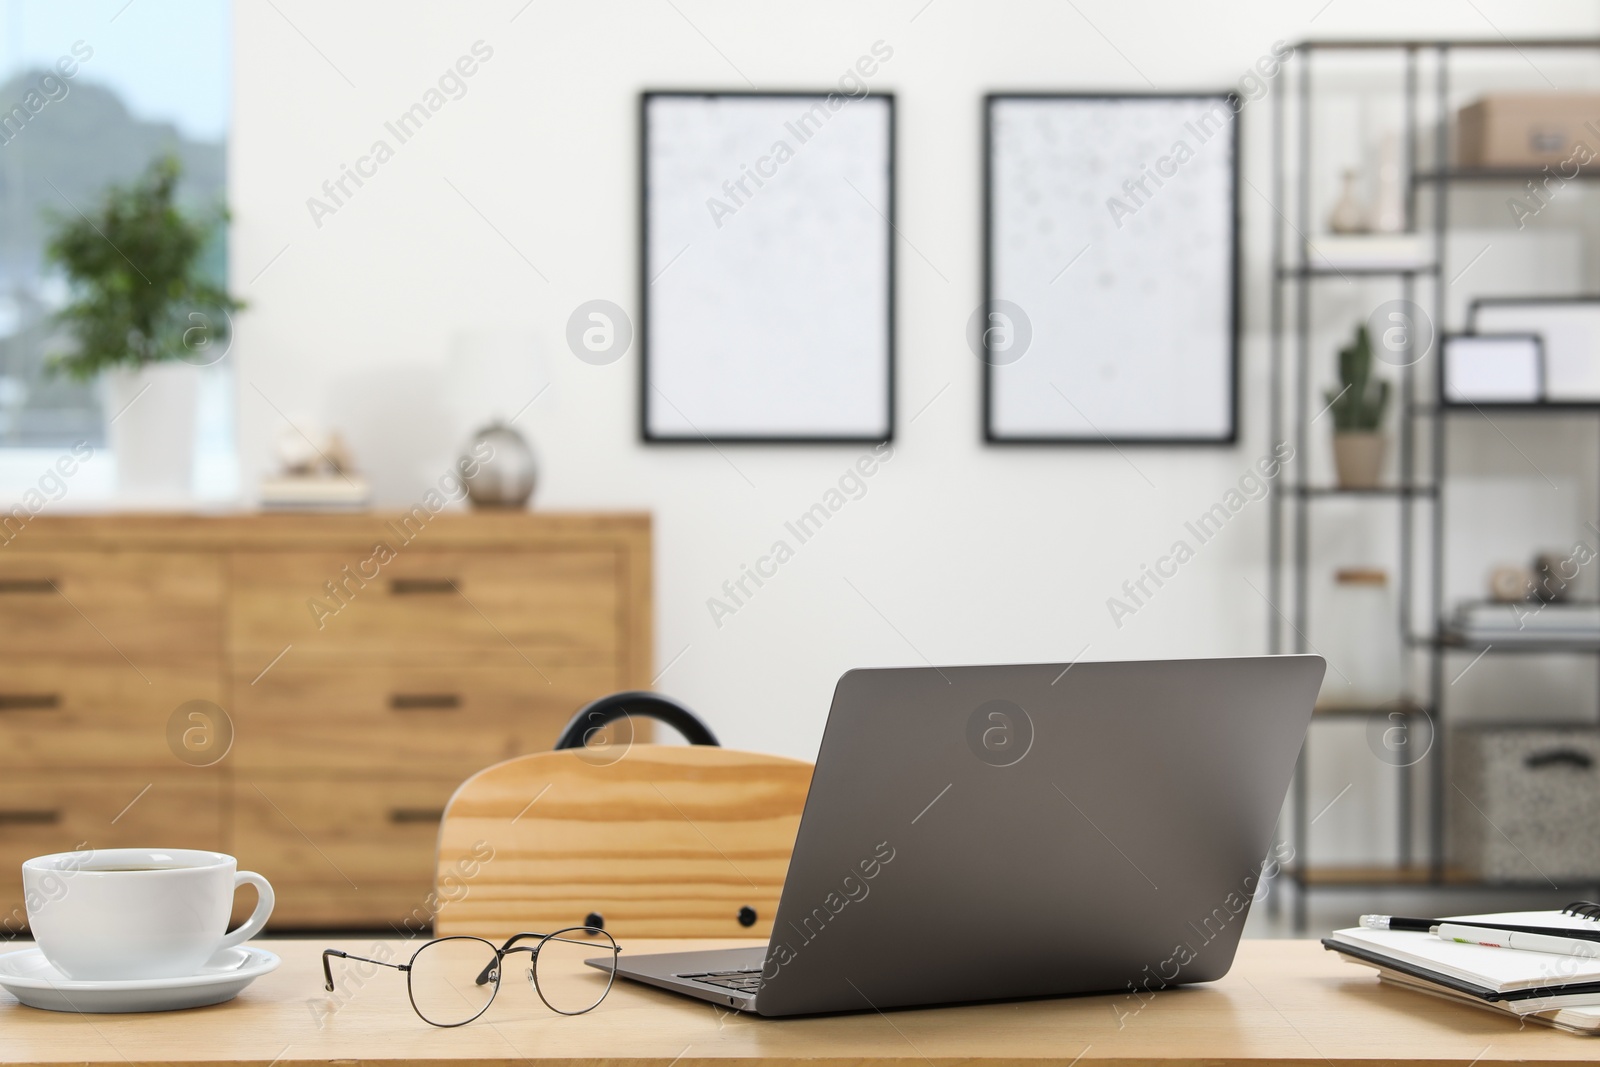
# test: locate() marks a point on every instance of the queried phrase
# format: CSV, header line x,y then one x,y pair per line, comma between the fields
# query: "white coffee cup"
x,y
131,913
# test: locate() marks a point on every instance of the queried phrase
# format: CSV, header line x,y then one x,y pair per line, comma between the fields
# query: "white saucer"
x,y
29,977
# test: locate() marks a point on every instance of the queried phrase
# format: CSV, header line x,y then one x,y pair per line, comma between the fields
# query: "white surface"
x,y
99,918
1492,369
1132,314
768,304
1371,251
29,977
1571,333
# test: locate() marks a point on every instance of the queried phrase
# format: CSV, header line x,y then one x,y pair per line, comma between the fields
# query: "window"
x,y
89,94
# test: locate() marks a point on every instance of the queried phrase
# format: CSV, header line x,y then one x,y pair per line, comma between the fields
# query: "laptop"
x,y
994,832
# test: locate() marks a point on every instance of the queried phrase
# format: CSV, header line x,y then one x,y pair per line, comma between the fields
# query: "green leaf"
x,y
133,265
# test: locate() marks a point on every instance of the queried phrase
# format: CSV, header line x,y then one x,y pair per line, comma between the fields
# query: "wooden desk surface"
x,y
1286,1002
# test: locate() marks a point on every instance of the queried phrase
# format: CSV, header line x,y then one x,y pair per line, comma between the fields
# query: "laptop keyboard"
x,y
739,981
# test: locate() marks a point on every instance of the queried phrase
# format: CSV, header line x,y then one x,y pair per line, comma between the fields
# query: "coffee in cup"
x,y
136,913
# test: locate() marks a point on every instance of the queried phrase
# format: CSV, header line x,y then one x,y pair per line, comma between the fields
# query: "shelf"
x,y
1366,711
1548,645
1541,407
1368,876
1406,44
1379,876
1406,264
1375,491
1354,272
1495,174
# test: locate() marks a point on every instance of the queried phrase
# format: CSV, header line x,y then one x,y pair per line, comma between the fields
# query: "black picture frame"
x,y
646,434
1228,439
1584,402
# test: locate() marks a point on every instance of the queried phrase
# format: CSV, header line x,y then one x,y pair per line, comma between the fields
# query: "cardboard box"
x,y
1528,130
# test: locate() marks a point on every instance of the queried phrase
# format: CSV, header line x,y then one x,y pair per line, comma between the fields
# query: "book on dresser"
x,y
302,691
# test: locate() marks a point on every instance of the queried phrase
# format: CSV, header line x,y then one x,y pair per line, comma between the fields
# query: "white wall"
x,y
957,552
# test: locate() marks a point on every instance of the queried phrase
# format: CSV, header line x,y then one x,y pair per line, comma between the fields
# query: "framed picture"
x,y
1111,294
1502,368
1569,330
767,267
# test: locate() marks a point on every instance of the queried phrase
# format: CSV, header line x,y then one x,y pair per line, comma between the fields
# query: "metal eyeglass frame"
x,y
491,973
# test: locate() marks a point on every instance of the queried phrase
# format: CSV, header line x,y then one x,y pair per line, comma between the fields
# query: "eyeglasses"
x,y
453,980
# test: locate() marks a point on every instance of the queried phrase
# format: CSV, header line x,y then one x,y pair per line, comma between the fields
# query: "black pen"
x,y
1401,922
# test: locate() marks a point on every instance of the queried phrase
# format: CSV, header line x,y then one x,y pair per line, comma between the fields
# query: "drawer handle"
x,y
407,816
29,701
421,586
1572,757
424,701
29,818
27,585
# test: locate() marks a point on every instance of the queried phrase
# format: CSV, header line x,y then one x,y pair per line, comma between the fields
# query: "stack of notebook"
x,y
1529,622
1555,989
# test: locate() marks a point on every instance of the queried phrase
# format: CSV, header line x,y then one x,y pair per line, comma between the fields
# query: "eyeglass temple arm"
x,y
327,968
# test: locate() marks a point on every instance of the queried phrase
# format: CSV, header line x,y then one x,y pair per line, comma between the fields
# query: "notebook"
x,y
1577,1019
1523,982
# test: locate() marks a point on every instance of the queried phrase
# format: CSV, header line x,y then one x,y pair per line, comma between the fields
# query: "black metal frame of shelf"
x,y
1314,271
1290,364
1545,408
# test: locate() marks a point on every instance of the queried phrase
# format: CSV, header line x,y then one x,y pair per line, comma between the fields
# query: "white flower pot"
x,y
150,426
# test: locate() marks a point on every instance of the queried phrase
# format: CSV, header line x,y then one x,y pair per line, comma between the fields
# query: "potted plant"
x,y
1358,408
144,319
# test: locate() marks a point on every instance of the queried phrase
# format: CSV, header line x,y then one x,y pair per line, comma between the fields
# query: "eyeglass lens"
x,y
565,983
444,980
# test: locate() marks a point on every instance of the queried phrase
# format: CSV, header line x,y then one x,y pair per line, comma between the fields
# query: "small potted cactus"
x,y
1358,407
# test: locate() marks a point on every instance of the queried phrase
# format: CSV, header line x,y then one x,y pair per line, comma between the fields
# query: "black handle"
x,y
1572,757
29,701
406,816
593,716
421,586
29,818
424,701
27,585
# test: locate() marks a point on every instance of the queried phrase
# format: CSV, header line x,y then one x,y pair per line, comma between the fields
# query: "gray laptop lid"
x,y
1000,831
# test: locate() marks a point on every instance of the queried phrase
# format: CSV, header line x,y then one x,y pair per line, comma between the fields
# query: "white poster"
x,y
768,267
1113,243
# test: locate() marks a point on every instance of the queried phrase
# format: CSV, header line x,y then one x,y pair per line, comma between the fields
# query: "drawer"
x,y
527,605
395,718
40,814
339,830
121,606
67,714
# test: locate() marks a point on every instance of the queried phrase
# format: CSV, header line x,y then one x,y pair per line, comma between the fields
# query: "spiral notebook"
x,y
1560,990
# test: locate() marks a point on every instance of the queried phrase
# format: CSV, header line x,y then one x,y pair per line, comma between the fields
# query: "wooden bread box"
x,y
270,686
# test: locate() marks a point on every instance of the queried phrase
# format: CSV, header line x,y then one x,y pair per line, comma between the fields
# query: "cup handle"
x,y
258,918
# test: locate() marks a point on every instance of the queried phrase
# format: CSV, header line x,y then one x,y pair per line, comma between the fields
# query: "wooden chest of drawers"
x,y
304,691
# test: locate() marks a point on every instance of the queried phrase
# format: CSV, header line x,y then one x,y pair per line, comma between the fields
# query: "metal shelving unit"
x,y
1418,498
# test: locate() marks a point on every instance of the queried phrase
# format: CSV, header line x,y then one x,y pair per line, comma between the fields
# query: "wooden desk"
x,y
1286,1002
